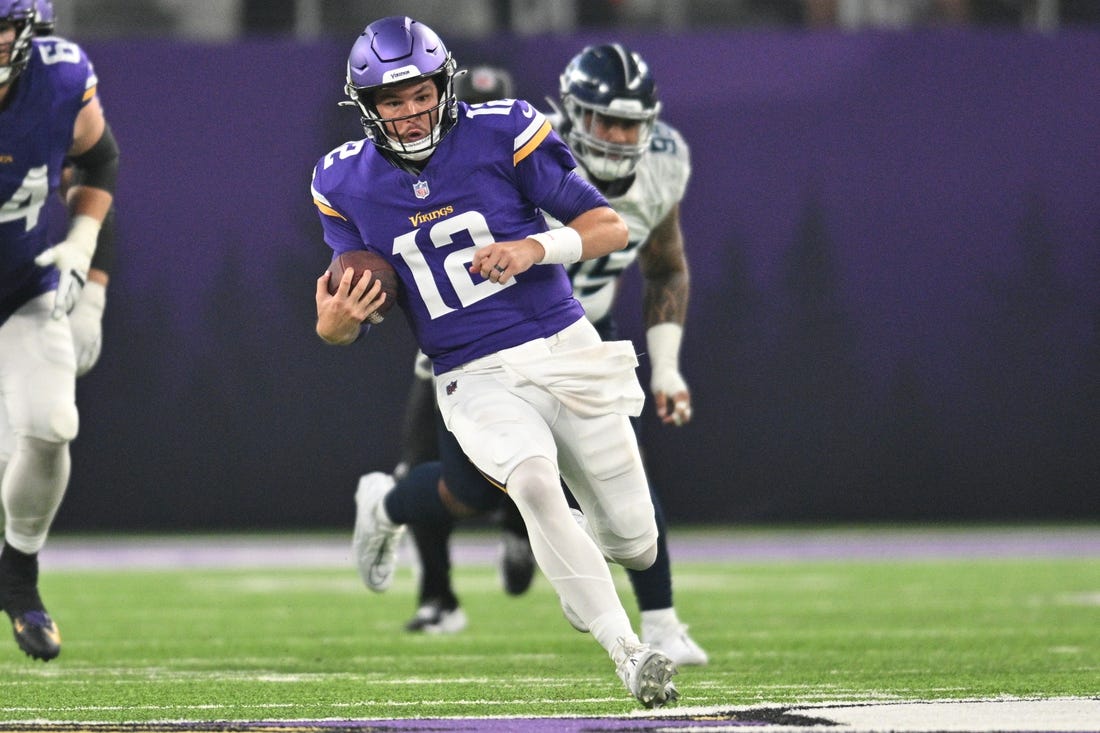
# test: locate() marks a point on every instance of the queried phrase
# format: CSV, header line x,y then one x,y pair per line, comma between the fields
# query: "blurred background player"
x,y
49,113
484,83
642,165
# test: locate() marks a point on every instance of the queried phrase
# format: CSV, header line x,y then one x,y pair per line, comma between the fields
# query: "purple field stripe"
x,y
526,725
411,725
750,545
665,720
1064,715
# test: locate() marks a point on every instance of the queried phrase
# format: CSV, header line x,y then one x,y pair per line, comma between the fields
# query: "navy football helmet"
x,y
398,50
22,14
44,25
601,82
483,83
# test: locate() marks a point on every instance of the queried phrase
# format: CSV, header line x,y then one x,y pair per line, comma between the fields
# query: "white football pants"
x,y
510,416
38,419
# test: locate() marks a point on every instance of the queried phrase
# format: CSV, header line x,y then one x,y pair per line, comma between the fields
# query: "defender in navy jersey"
x,y
49,114
454,198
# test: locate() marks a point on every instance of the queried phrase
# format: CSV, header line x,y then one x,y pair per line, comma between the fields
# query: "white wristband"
x,y
562,245
663,342
83,232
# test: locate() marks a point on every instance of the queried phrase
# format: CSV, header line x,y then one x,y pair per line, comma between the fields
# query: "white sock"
x,y
660,617
657,620
566,554
611,629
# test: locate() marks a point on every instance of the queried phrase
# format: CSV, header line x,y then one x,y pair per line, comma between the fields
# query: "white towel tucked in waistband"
x,y
592,380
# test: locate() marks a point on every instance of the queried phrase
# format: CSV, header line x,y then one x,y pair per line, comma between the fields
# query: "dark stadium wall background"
x,y
895,271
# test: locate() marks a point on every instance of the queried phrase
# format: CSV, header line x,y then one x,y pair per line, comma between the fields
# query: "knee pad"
x,y
642,561
535,481
58,423
633,553
628,536
63,424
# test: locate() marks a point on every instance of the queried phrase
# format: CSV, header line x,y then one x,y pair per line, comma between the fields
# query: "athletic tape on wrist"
x,y
663,341
562,245
83,232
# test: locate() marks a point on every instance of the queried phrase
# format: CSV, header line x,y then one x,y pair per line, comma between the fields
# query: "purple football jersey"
x,y
36,130
489,180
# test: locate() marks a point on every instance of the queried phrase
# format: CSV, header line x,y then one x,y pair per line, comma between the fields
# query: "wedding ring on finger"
x,y
498,268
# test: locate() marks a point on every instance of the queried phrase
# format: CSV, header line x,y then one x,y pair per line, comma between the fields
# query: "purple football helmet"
x,y
608,81
22,15
398,50
44,26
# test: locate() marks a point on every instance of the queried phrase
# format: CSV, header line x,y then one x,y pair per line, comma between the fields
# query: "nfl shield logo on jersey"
x,y
420,188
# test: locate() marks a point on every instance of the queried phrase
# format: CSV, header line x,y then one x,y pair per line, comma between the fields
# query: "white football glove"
x,y
86,321
72,258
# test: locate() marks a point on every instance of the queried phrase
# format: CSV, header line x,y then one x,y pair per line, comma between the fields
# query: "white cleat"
x,y
677,645
433,618
376,538
647,673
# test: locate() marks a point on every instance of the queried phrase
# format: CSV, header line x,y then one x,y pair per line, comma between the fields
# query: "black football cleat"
x,y
517,563
34,630
37,635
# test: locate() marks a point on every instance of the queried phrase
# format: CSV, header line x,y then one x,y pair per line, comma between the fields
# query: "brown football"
x,y
360,260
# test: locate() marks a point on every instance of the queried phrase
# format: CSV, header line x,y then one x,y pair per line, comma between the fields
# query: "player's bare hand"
x,y
502,261
673,408
340,315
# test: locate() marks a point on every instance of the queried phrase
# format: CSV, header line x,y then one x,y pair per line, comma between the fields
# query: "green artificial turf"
x,y
274,644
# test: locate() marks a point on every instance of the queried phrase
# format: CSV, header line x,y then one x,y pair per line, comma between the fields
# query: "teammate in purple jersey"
x,y
86,317
454,198
49,112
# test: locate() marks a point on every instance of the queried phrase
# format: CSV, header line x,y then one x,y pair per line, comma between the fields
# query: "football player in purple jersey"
x,y
49,113
86,317
453,197
642,165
